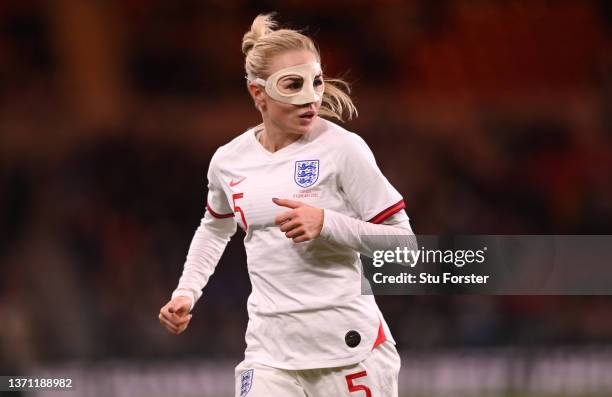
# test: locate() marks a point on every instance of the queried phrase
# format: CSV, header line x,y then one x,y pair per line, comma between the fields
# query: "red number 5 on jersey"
x,y
235,197
353,388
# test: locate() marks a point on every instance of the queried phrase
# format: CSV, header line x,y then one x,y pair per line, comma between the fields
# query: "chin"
x,y
301,130
298,129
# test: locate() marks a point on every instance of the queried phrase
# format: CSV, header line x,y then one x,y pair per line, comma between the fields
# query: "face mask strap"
x,y
260,81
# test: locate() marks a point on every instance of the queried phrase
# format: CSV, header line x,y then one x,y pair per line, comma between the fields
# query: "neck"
x,y
272,138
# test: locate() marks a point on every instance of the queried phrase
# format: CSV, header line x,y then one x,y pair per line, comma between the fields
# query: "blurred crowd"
x,y
488,116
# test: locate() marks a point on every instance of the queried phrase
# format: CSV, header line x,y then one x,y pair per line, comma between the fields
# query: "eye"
x,y
295,86
317,82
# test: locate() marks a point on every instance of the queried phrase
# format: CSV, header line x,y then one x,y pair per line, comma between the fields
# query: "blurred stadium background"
x,y
488,116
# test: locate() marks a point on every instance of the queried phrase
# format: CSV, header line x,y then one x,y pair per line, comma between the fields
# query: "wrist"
x,y
186,294
320,226
326,227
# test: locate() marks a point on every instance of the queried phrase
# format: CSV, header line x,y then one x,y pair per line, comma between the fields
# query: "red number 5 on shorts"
x,y
353,388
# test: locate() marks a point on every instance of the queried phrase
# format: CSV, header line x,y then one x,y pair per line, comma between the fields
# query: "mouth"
x,y
307,115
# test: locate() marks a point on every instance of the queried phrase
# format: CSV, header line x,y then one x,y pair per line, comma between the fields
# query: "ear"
x,y
258,94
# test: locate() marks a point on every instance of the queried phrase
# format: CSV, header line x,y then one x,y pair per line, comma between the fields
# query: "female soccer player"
x,y
307,193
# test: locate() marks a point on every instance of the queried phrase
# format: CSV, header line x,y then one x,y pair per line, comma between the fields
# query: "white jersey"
x,y
306,306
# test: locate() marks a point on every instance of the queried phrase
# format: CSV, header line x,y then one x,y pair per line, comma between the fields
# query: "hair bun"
x,y
262,25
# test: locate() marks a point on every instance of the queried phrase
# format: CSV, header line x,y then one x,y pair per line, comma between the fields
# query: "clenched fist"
x,y
174,316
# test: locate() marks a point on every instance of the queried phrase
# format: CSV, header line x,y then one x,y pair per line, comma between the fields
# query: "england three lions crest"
x,y
246,381
306,172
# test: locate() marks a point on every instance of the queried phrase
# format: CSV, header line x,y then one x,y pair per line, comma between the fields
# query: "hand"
x,y
174,316
302,223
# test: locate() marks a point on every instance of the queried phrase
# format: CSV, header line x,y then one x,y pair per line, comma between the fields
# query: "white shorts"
x,y
376,376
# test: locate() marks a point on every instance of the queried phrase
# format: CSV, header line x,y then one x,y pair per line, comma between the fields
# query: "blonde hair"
x,y
262,42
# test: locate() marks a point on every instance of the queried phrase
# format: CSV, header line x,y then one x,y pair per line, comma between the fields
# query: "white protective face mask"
x,y
296,84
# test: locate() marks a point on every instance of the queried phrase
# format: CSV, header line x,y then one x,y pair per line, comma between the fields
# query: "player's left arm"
x,y
304,223
373,198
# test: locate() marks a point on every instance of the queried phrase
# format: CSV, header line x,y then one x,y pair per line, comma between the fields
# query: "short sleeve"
x,y
216,202
367,190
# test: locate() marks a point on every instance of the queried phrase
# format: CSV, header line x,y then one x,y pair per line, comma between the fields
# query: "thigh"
x,y
257,380
376,376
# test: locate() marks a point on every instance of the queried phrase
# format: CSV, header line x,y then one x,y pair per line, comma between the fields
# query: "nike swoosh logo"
x,y
234,183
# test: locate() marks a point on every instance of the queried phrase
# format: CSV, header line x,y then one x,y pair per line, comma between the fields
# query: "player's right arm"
x,y
207,246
